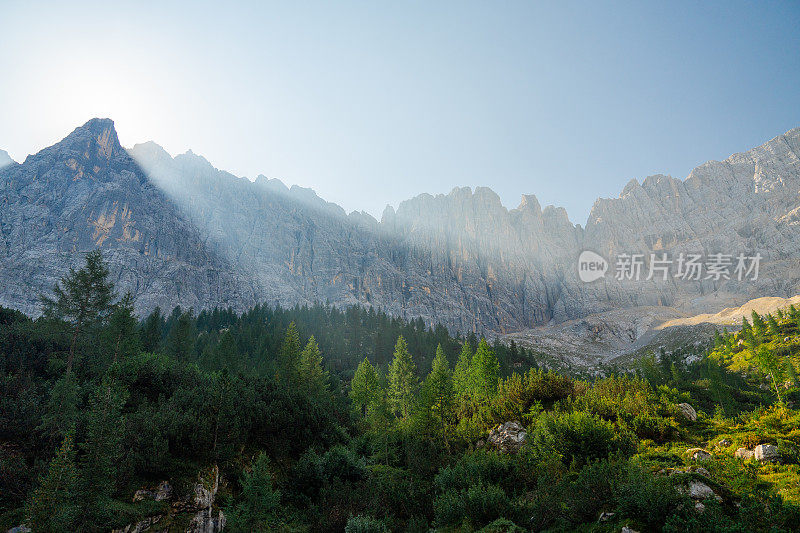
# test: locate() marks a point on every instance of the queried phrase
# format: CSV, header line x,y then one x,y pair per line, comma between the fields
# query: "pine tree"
x,y
124,339
182,337
313,377
61,412
289,354
402,379
758,324
82,298
105,427
772,325
364,386
225,354
771,366
52,506
439,391
151,333
485,371
259,500
461,374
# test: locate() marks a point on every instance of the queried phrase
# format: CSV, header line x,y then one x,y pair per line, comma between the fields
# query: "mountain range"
x,y
176,230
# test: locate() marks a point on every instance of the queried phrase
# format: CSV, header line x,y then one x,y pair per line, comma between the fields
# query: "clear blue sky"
x,y
371,102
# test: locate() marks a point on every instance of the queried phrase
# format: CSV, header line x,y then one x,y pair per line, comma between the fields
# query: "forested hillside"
x,y
315,419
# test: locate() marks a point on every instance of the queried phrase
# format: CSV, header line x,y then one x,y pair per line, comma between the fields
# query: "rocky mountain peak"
x,y
5,159
98,137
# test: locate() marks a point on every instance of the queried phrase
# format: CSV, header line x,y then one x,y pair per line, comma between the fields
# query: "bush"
x,y
365,524
342,463
580,437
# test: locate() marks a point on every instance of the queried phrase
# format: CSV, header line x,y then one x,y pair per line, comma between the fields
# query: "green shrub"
x,y
342,463
580,436
365,524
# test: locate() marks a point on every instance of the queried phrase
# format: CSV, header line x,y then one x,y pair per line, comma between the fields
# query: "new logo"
x,y
591,266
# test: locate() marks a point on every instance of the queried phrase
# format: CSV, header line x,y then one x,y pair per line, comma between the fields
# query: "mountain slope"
x,y
461,259
86,192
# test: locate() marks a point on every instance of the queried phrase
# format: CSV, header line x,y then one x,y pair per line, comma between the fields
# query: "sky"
x,y
371,103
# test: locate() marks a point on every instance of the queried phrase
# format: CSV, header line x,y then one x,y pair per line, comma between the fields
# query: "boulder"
x,y
766,453
205,522
698,454
508,437
139,527
744,454
700,491
22,528
626,529
687,412
699,507
163,492
203,498
724,443
605,516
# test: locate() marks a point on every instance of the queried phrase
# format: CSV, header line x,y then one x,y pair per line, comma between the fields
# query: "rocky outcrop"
x,y
508,437
698,454
766,453
5,159
743,454
687,412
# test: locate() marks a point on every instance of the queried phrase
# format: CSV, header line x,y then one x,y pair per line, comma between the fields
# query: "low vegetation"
x,y
314,419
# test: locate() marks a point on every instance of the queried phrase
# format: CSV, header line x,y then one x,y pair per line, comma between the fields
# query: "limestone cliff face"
x,y
87,192
177,230
748,204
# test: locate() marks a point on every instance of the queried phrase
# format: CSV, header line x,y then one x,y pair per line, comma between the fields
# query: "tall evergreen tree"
x,y
485,371
182,337
462,378
439,391
770,364
123,337
82,298
259,500
289,354
53,506
152,331
402,379
364,386
105,426
313,377
61,412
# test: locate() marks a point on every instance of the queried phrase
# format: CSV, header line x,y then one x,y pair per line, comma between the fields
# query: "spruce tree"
x,y
102,451
439,391
151,333
313,377
52,506
61,413
485,371
402,379
364,386
462,374
182,337
259,500
289,355
82,298
123,337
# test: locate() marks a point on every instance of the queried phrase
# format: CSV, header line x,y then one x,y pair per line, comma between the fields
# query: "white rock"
x,y
687,412
766,453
